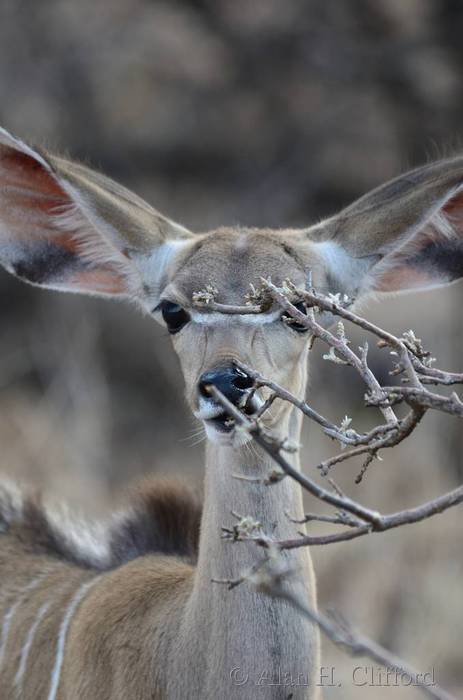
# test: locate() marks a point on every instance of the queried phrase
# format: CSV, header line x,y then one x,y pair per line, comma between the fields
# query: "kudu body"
x,y
129,610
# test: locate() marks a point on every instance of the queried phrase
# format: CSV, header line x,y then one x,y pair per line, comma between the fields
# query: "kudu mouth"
x,y
225,423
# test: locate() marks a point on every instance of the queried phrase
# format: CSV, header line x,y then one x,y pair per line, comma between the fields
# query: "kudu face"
x,y
211,344
66,227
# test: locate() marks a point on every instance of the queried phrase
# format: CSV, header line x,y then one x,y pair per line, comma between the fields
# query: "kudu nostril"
x,y
242,381
230,380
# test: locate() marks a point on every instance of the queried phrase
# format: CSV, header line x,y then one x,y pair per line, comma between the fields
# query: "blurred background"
x,y
260,113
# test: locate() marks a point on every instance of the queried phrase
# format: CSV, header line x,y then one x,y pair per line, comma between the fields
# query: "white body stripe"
x,y
18,681
8,619
56,673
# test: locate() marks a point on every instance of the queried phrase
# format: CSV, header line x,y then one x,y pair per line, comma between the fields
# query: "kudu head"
x,y
66,227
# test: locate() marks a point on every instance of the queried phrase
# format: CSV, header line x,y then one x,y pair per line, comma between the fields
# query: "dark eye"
x,y
292,323
174,316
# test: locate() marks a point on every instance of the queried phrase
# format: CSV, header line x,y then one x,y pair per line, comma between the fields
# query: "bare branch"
x,y
383,523
425,399
412,363
228,308
273,447
373,521
337,343
357,644
340,518
270,575
282,393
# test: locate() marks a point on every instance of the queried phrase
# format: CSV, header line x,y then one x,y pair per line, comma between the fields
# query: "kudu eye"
x,y
292,323
175,316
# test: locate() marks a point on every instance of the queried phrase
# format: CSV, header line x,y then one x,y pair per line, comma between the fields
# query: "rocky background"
x,y
259,113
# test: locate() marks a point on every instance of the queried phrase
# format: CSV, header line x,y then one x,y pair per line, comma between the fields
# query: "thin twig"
x,y
228,308
339,344
270,576
357,644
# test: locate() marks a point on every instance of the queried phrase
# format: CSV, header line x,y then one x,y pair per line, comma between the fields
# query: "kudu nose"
x,y
230,380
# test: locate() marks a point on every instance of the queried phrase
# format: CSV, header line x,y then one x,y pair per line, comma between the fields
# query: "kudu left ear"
x,y
66,227
407,234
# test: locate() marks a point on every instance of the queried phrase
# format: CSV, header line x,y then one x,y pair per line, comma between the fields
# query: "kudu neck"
x,y
234,483
246,629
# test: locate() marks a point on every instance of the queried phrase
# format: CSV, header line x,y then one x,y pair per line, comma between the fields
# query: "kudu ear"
x,y
404,235
66,227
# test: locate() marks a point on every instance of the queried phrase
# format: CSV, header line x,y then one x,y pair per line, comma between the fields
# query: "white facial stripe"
x,y
72,607
215,318
19,678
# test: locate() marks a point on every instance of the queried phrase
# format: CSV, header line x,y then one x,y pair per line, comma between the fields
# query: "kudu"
x,y
129,611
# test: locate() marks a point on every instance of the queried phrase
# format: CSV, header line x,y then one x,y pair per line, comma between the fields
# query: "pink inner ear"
x,y
401,278
29,191
454,207
431,257
99,280
50,249
21,170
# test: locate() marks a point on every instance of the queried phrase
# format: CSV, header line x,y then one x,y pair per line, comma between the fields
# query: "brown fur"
x,y
159,516
164,517
159,519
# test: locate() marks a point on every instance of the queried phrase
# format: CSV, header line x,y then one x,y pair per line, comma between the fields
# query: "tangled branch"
x,y
413,365
365,520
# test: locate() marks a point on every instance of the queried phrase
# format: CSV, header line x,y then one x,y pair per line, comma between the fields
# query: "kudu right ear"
x,y
407,234
66,227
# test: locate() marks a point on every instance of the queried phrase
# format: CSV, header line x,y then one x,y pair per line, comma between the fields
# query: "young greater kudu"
x,y
129,611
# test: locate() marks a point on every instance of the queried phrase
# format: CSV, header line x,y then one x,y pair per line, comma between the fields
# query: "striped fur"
x,y
50,562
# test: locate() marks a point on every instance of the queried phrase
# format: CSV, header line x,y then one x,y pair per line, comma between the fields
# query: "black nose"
x,y
230,380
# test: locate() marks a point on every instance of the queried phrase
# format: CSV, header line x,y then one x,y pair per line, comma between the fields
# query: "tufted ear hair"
x,y
66,227
404,235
